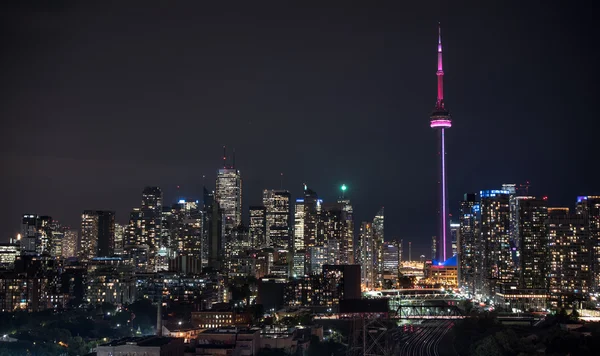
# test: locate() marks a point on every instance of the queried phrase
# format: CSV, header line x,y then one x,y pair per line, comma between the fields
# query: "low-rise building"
x,y
146,346
228,341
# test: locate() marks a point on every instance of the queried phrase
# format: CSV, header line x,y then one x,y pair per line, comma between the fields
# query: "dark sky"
x,y
100,100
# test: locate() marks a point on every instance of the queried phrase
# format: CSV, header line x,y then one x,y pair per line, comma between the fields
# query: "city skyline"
x,y
377,122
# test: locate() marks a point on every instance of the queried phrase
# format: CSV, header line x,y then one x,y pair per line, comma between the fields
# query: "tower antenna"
x,y
440,120
224,157
233,160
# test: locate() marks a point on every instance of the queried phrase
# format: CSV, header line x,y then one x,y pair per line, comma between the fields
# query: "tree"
x,y
77,347
488,347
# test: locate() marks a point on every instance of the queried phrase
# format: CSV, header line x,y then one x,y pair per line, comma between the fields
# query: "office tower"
x,y
495,248
97,234
391,262
347,229
213,229
336,229
340,282
299,225
315,257
409,251
367,255
469,253
589,207
454,233
378,239
151,210
278,218
312,207
258,227
434,245
186,222
440,121
119,239
70,246
570,260
532,234
228,194
36,234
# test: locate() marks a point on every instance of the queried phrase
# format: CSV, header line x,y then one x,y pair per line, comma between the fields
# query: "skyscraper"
x,y
440,121
97,234
213,230
119,239
278,215
367,255
299,225
570,260
378,240
589,207
469,253
257,227
532,216
228,194
495,223
70,245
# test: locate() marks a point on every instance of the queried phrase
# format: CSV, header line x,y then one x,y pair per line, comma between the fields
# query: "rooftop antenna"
x,y
224,157
233,161
281,180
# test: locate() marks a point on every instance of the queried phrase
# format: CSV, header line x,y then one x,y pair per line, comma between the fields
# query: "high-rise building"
x,y
299,225
454,233
348,255
367,255
569,274
213,230
70,245
440,121
378,240
531,230
97,234
36,235
228,194
120,231
469,253
258,227
391,263
315,257
589,207
278,218
151,208
495,248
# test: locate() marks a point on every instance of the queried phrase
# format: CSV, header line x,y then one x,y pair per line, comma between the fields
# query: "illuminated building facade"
x,y
36,234
228,194
569,274
299,225
119,239
151,224
8,255
440,121
589,207
454,233
378,240
278,218
367,255
340,282
469,253
70,244
495,249
391,263
97,234
258,226
531,230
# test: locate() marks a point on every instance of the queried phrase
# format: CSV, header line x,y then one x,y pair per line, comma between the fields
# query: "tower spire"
x,y
440,72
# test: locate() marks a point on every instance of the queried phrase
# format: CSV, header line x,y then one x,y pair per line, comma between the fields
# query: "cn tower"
x,y
440,121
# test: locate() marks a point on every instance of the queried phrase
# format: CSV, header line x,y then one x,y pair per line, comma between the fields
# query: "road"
x,y
423,339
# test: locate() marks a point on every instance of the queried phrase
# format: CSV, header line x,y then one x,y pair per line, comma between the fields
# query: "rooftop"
x,y
141,341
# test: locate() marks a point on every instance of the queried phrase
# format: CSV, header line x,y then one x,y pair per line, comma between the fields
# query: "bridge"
x,y
420,303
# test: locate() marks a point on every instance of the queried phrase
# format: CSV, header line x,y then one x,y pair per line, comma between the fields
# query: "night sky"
x,y
100,100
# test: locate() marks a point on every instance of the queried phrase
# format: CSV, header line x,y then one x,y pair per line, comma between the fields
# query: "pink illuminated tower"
x,y
440,121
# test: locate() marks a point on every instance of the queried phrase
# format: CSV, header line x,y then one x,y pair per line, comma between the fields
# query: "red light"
x,y
545,198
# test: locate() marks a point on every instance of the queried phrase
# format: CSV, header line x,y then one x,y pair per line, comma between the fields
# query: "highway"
x,y
423,339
